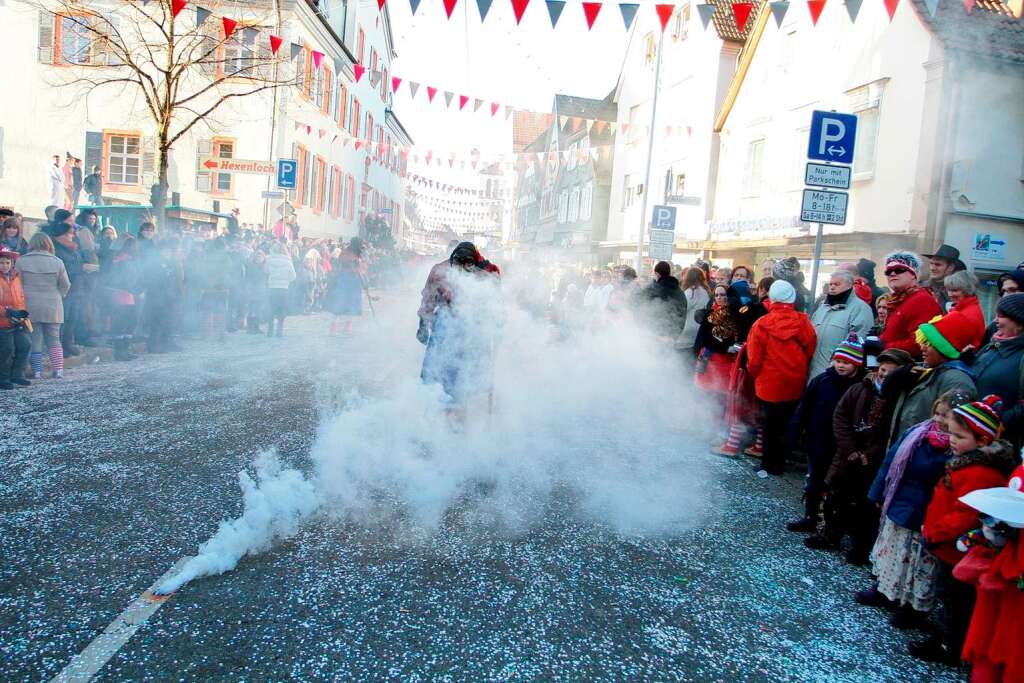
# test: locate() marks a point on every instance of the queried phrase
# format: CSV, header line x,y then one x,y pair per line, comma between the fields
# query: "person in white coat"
x,y
839,315
55,183
280,275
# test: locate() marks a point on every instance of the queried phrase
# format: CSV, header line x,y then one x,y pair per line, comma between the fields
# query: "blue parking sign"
x,y
664,218
287,170
832,137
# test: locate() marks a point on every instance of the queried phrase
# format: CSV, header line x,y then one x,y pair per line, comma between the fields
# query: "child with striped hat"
x,y
980,460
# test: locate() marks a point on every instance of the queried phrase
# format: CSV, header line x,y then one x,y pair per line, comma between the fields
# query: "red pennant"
x,y
741,11
229,27
890,6
665,13
518,7
359,70
395,82
358,145
590,11
494,108
318,58
969,4
380,5
176,7
309,130
449,5
815,7
431,91
275,44
462,101
430,155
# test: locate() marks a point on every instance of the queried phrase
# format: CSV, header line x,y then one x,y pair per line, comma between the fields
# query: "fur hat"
x,y
948,334
786,269
781,292
851,350
906,259
1012,306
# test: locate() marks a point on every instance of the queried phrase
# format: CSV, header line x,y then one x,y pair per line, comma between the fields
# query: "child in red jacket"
x,y
980,460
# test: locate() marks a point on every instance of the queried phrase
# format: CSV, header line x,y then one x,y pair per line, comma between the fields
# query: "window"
x,y
361,46
299,64
224,150
679,188
681,23
755,165
311,191
369,127
574,205
204,148
563,206
587,202
334,205
627,193
238,53
342,106
76,40
328,91
355,118
385,83
865,102
317,92
124,159
304,179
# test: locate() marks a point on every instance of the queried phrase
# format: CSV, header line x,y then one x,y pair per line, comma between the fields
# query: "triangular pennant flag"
x,y
275,44
309,129
294,50
508,112
176,7
600,126
449,5
891,5
664,14
414,5
358,70
448,96
494,108
969,4
202,14
518,7
562,120
628,13
932,6
815,7
414,88
476,104
431,91
380,5
590,125
555,8
338,64
430,155
395,82
358,145
322,133
576,121
741,12
590,12
484,6
779,10
705,13
229,27
462,102
853,8
297,125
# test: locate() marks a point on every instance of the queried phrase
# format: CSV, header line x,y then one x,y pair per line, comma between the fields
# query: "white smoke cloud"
x,y
605,415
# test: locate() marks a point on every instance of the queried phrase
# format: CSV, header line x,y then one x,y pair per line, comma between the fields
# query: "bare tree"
x,y
182,68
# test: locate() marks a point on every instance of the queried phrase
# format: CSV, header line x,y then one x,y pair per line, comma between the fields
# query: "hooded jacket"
x,y
947,519
971,309
859,426
11,296
779,351
666,306
814,416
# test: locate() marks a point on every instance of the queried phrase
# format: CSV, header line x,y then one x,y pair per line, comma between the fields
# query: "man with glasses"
x,y
910,305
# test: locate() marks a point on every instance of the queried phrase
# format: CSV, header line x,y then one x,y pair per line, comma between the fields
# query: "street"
x,y
117,472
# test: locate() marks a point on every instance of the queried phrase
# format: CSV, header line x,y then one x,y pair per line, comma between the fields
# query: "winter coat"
x,y
834,323
947,519
915,405
666,306
93,184
45,282
17,244
999,370
72,258
280,271
87,244
744,313
911,499
903,321
813,417
705,336
11,296
697,299
859,426
971,309
779,351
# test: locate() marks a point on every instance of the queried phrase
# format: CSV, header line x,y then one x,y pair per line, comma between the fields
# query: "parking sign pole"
x,y
650,157
815,265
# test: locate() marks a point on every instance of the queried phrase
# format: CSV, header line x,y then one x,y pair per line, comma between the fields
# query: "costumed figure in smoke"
x,y
458,324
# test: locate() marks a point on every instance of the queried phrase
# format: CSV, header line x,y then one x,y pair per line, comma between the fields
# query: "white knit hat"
x,y
781,292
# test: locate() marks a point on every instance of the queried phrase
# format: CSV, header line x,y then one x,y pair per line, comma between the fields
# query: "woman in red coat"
x,y
962,289
779,351
909,303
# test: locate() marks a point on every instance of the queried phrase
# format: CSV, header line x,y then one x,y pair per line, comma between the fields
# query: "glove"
x,y
422,333
873,346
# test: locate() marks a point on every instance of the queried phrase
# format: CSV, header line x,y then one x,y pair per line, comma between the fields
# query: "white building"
x,y
313,121
940,141
697,66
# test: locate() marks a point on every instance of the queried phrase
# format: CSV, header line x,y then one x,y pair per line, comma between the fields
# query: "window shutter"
x,y
264,58
93,151
300,70
148,161
45,39
204,148
208,53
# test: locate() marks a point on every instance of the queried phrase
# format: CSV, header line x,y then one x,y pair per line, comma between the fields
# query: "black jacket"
x,y
666,306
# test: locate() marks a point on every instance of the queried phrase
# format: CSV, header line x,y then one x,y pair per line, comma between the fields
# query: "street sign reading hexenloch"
x,y
825,175
832,137
822,206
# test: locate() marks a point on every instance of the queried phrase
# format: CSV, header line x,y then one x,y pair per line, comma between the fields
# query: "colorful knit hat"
x,y
949,334
905,259
851,350
981,417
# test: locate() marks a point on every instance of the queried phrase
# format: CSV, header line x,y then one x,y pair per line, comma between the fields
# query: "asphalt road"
x,y
112,475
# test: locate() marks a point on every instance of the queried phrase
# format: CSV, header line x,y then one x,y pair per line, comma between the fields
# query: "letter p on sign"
x,y
664,218
832,137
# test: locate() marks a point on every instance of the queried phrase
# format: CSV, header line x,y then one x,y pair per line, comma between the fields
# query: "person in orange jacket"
x,y
779,351
14,341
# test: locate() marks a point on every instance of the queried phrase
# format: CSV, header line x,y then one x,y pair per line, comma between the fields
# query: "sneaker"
x,y
906,618
753,452
821,542
932,650
20,381
37,375
872,598
803,525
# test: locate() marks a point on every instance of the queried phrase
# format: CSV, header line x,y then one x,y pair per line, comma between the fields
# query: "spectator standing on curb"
x,y
76,182
67,248
666,304
943,263
280,275
999,367
962,289
909,304
93,186
841,314
14,341
695,289
12,239
45,283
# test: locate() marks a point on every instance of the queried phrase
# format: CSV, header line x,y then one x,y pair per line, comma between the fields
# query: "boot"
x,y
20,381
906,617
5,385
71,350
933,650
872,598
809,522
122,351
